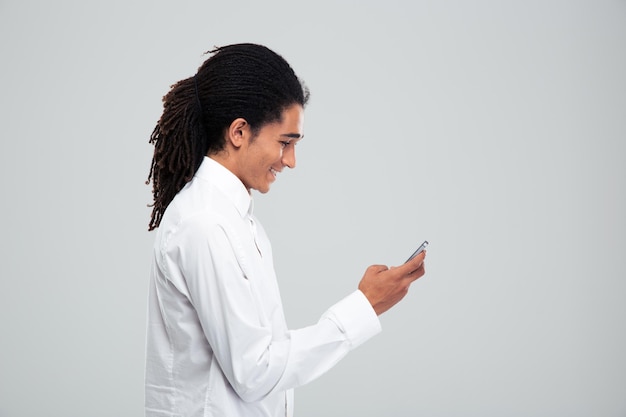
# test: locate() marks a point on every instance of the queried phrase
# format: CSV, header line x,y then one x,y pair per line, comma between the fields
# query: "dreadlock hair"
x,y
242,80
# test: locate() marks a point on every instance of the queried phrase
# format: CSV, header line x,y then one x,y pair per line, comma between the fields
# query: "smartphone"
x,y
418,251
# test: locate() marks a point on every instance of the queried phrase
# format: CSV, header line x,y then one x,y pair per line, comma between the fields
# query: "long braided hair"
x,y
242,80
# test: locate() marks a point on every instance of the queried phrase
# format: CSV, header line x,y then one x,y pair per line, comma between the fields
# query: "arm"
x,y
255,357
255,351
351,321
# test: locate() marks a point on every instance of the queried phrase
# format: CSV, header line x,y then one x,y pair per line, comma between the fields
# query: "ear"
x,y
237,132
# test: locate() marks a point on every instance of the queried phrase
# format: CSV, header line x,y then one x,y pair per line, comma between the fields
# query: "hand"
x,y
385,287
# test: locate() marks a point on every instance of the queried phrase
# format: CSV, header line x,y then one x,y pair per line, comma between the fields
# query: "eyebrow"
x,y
292,135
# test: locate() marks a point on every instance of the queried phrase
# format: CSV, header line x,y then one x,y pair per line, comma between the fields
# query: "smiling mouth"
x,y
274,172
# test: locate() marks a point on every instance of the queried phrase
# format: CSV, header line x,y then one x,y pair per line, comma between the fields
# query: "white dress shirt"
x,y
217,340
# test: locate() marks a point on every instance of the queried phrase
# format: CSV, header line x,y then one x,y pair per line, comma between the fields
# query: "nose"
x,y
289,157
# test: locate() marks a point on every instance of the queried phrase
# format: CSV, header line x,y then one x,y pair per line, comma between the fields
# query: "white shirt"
x,y
217,341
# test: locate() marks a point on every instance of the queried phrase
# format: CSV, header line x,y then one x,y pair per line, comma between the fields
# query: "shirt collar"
x,y
232,187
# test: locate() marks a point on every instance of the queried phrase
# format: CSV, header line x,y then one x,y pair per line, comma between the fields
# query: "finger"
x,y
413,264
378,268
419,272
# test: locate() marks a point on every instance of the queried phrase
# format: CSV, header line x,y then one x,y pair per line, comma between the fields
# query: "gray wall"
x,y
496,130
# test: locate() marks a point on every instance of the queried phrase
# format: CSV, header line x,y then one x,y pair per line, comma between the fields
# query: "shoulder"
x,y
199,212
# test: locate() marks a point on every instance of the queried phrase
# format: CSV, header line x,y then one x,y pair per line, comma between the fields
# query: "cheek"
x,y
275,156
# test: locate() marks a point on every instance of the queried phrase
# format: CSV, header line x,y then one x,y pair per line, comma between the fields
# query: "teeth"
x,y
273,171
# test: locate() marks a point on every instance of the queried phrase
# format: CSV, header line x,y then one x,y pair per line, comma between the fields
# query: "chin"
x,y
263,190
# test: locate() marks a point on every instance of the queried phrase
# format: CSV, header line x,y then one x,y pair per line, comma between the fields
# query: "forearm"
x,y
316,349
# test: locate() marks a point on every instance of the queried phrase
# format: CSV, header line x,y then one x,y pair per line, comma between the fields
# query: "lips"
x,y
274,172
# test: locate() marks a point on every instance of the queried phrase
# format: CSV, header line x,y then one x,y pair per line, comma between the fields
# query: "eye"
x,y
284,143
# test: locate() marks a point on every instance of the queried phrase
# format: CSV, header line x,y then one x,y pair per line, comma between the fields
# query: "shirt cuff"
x,y
356,318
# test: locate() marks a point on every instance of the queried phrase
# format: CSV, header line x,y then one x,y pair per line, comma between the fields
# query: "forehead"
x,y
291,124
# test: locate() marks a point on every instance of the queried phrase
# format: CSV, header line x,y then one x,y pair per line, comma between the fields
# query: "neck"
x,y
225,159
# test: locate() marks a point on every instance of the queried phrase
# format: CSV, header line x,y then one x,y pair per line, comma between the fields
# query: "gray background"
x,y
494,129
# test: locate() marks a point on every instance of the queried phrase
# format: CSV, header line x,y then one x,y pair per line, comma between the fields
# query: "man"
x,y
217,341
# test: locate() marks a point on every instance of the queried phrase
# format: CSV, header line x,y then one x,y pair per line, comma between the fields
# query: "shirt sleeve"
x,y
316,349
255,360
